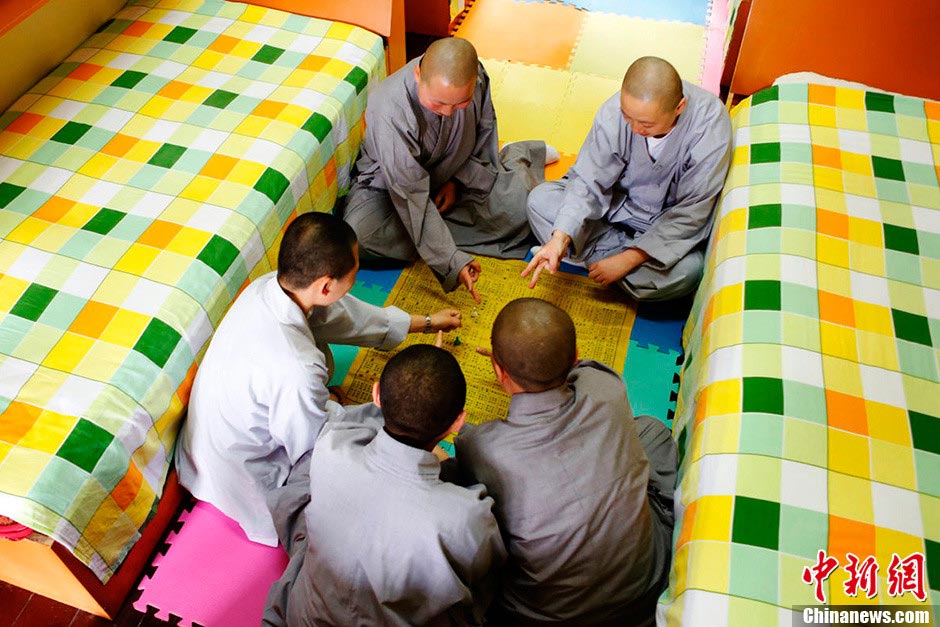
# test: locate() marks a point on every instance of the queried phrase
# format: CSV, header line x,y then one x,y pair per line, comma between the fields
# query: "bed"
x,y
808,413
143,183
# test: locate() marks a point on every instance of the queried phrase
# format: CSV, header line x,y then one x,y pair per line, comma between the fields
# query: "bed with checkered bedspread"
x,y
142,184
808,416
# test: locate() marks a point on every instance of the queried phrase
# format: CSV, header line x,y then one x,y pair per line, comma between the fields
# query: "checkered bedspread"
x,y
144,182
808,416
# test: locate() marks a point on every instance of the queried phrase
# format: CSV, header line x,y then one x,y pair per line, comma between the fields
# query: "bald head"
x,y
651,79
452,59
534,341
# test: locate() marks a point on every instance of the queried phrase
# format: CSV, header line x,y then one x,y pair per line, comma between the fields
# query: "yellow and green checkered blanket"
x,y
142,184
808,417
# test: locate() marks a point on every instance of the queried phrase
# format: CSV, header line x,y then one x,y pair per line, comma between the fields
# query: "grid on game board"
x,y
603,321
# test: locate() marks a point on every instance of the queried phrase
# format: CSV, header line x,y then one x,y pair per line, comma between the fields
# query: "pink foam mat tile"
x,y
715,45
211,575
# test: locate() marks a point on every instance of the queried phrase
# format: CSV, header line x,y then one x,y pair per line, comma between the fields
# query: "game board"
x,y
603,320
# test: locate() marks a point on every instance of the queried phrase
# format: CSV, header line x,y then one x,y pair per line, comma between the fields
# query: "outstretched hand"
x,y
548,257
468,277
445,320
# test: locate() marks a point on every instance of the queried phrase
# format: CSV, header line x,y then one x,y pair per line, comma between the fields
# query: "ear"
x,y
681,106
458,423
417,72
327,285
375,394
497,369
575,355
504,378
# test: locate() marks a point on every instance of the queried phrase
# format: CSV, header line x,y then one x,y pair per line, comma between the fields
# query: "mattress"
x,y
145,181
808,416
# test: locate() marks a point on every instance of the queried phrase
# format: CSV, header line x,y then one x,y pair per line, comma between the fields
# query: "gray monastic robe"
x,y
616,196
407,154
588,542
383,541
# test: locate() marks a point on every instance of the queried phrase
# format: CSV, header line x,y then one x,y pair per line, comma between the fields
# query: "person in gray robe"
x,y
375,536
636,207
430,181
260,395
583,490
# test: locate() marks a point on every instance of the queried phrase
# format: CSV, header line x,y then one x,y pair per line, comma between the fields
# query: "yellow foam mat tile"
x,y
579,105
609,43
528,101
542,103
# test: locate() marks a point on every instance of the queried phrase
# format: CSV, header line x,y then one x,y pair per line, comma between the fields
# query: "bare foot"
x,y
611,269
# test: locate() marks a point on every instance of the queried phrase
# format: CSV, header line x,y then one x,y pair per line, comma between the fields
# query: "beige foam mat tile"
x,y
609,43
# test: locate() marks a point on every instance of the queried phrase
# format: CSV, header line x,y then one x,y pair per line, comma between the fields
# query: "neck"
x,y
413,443
297,298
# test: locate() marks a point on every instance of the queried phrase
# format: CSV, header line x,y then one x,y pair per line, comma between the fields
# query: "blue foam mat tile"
x,y
660,325
652,379
689,11
381,278
373,285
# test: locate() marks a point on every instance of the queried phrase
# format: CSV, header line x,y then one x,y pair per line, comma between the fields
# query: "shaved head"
x,y
452,59
653,80
534,341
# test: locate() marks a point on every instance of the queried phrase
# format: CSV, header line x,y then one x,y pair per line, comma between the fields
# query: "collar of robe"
x,y
401,459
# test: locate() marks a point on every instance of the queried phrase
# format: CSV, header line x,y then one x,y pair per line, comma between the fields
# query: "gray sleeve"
x,y
409,187
600,164
688,222
352,321
484,571
478,173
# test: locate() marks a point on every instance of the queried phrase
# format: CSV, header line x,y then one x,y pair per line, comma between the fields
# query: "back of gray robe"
x,y
569,477
388,542
410,152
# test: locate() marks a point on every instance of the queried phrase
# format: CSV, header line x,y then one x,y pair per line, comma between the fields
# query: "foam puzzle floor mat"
x,y
603,321
693,11
518,31
535,102
209,573
551,66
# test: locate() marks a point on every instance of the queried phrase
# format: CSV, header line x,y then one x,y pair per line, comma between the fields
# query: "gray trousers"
x,y
604,239
493,225
662,453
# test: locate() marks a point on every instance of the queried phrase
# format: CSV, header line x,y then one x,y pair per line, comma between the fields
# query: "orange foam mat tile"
x,y
537,33
609,43
558,169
